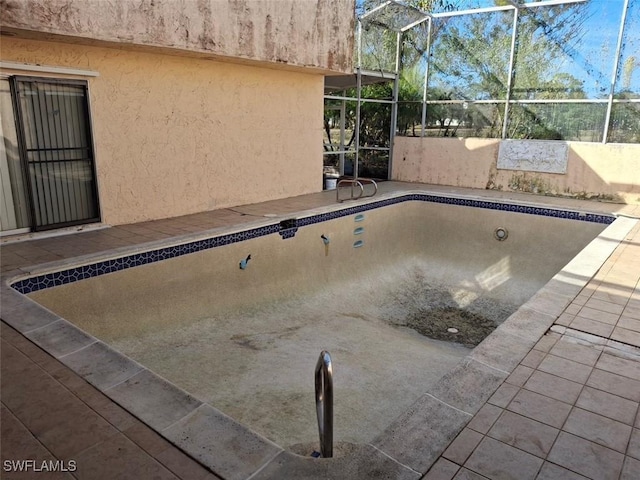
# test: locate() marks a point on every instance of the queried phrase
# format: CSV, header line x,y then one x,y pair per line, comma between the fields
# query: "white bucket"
x,y
330,183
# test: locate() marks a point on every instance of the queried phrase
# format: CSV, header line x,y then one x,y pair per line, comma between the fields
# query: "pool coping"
x,y
406,449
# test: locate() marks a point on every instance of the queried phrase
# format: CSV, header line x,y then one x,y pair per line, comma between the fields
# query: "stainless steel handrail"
x,y
349,181
324,403
359,182
372,182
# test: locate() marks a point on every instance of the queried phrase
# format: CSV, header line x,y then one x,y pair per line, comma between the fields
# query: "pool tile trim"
x,y
286,229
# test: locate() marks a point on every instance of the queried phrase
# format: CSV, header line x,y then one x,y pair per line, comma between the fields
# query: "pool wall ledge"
x,y
364,462
406,449
228,448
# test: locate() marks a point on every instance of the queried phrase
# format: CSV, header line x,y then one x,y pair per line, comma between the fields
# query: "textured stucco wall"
x,y
594,170
178,135
304,33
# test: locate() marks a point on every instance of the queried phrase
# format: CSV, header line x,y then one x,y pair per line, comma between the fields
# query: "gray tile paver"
x,y
163,405
573,349
462,446
19,444
598,315
550,471
55,416
443,469
627,336
101,366
148,439
470,375
608,405
60,338
428,423
604,306
495,459
595,340
591,326
524,433
572,309
541,408
565,368
464,474
632,310
213,438
553,386
598,429
519,375
633,448
503,395
616,384
181,465
612,297
565,319
621,366
582,297
629,323
119,457
547,342
586,458
364,462
533,359
485,418
630,469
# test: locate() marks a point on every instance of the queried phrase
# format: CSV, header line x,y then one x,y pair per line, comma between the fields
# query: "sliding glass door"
x,y
56,152
14,210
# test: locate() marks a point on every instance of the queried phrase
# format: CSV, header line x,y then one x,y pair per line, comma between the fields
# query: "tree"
x,y
471,57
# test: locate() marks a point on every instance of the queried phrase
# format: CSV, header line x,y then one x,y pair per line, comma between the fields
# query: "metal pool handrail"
x,y
359,182
324,403
349,181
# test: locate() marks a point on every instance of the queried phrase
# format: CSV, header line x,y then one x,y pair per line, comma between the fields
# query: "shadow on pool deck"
x,y
570,406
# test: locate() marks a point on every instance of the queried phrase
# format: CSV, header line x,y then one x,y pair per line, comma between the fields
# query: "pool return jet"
x,y
245,262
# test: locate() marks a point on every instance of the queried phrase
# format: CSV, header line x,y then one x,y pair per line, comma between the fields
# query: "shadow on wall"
x,y
605,172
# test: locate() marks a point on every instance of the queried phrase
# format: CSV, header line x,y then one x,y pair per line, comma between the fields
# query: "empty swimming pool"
x,y
365,282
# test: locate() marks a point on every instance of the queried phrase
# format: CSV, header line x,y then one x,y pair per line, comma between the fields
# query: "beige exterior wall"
x,y
600,171
176,135
299,33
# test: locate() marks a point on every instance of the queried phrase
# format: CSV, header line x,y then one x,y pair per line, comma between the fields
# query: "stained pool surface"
x,y
172,314
378,289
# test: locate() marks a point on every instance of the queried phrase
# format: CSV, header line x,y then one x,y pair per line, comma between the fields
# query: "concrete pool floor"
x,y
257,367
570,407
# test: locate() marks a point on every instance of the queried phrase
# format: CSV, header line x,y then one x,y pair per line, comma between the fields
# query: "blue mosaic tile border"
x,y
71,275
286,229
288,232
490,205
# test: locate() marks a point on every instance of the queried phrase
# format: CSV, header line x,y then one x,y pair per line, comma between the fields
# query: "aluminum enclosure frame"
x,y
398,17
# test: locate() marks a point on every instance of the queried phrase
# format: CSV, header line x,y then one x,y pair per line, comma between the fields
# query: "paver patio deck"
x,y
569,410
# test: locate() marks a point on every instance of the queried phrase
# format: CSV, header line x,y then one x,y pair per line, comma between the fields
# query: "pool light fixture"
x,y
501,234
